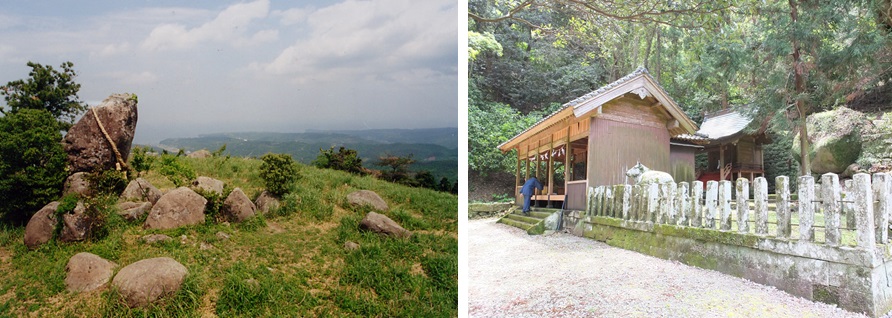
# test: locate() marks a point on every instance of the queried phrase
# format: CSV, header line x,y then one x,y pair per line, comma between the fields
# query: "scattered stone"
x,y
223,236
205,246
237,207
351,246
177,208
41,227
132,211
366,197
77,183
382,224
203,153
208,185
146,281
266,201
74,227
88,272
141,190
154,238
184,239
86,145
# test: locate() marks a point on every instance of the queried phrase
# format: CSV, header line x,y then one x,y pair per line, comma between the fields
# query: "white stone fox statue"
x,y
643,175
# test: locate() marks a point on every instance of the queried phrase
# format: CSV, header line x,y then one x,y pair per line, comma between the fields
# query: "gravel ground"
x,y
561,275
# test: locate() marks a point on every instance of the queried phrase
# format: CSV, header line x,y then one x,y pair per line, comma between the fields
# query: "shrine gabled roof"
x,y
724,126
638,82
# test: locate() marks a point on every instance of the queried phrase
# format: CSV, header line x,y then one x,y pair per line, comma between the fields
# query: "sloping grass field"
x,y
289,263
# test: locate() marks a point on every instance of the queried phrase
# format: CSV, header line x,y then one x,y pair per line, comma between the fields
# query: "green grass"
x,y
288,263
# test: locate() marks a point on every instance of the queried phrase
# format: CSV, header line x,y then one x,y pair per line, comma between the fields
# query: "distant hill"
x,y
434,149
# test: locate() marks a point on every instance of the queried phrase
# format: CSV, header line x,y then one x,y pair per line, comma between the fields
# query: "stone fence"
x,y
685,223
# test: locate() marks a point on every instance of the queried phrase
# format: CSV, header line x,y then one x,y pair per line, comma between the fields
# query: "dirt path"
x,y
517,275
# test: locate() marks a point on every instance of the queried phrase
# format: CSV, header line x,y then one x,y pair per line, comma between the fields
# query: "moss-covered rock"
x,y
834,139
876,153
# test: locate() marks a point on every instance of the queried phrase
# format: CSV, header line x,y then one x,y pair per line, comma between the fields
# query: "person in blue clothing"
x,y
527,191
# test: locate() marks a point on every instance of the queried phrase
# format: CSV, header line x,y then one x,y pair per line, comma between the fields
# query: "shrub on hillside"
x,y
107,182
279,172
140,161
32,162
344,160
175,170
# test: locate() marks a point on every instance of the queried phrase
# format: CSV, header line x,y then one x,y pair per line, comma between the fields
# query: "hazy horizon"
x,y
278,66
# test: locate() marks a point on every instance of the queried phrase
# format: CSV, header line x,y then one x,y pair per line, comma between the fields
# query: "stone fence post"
x,y
684,205
882,184
696,196
743,205
712,192
627,201
831,196
782,187
760,196
806,208
725,204
863,206
653,202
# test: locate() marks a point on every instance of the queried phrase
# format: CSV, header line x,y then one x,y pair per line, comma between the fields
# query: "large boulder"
x,y
87,147
382,224
146,281
238,207
177,208
141,190
75,224
78,184
835,140
266,201
208,185
87,272
203,153
366,197
876,144
41,227
132,211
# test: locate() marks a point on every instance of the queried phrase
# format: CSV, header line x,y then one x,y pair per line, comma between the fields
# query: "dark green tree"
x,y
425,179
32,163
444,185
48,89
344,160
399,168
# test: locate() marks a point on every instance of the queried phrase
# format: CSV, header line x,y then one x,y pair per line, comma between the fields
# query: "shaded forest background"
x,y
777,61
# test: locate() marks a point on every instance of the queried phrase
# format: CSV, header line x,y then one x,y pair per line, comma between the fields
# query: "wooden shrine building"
x,y
732,152
594,139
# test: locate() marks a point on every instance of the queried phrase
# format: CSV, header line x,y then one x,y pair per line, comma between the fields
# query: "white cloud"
x,y
113,49
361,38
230,26
129,78
293,16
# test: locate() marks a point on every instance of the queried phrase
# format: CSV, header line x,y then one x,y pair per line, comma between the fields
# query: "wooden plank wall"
x,y
681,159
623,135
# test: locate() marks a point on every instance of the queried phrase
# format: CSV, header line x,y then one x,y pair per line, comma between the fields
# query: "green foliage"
x,y
482,43
399,168
175,170
344,160
425,179
279,173
32,163
45,89
107,182
444,185
140,161
219,152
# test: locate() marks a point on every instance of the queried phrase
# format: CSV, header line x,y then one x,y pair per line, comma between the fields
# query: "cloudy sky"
x,y
264,65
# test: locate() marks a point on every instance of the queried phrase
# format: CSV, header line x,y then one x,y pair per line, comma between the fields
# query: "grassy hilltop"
x,y
289,263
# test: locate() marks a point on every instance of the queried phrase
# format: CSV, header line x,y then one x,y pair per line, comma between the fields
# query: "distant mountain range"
x,y
434,149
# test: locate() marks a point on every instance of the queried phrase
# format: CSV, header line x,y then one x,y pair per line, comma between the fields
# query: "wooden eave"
x,y
544,127
642,85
